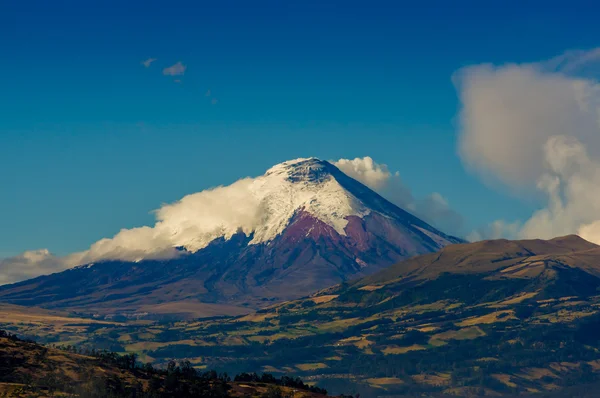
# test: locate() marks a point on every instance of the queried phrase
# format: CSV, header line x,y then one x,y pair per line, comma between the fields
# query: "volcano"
x,y
308,226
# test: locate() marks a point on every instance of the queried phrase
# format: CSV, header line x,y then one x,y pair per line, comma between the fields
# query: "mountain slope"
x,y
315,227
504,258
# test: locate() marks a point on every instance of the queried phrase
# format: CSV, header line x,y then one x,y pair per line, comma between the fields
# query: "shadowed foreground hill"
x,y
31,370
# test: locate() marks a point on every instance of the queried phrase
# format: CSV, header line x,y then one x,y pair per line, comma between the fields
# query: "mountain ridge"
x,y
466,257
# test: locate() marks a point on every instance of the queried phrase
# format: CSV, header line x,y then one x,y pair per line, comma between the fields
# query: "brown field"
x,y
467,333
396,350
324,299
194,309
504,379
499,316
371,288
38,316
311,366
438,379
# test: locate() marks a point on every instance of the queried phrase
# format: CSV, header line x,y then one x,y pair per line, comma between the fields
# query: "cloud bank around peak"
x,y
434,208
30,264
192,222
535,129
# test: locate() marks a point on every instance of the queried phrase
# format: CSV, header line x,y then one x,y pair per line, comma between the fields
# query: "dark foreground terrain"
x,y
31,370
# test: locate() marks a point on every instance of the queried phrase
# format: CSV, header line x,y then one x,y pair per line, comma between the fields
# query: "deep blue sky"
x,y
91,141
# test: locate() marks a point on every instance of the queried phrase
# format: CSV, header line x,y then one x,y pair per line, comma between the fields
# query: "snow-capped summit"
x,y
302,226
302,185
264,206
302,169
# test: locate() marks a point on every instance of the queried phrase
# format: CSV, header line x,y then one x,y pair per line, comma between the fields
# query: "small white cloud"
x,y
148,62
365,170
175,70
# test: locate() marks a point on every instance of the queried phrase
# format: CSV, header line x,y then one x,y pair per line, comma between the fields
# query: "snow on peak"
x,y
260,207
302,184
303,169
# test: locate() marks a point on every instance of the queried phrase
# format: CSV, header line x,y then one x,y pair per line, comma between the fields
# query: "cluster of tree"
x,y
177,379
125,362
12,337
285,381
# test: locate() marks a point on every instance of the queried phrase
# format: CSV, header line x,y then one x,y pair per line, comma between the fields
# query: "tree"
x,y
273,392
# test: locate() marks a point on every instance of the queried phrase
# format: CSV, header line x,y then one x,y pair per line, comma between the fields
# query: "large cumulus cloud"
x,y
535,129
191,222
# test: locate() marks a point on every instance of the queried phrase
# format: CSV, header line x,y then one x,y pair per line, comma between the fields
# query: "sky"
x,y
110,109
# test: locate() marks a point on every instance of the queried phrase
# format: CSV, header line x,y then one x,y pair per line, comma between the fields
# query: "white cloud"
x,y
536,128
175,70
148,62
191,222
28,265
590,231
433,208
365,170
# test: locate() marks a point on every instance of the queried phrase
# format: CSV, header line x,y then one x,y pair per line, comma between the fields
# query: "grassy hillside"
x,y
495,318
